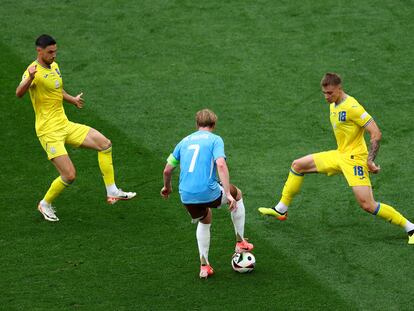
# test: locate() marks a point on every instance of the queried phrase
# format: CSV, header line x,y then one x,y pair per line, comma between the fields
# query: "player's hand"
x,y
231,202
32,71
165,192
373,168
78,101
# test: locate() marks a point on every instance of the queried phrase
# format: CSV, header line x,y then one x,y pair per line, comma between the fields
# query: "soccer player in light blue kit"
x,y
200,155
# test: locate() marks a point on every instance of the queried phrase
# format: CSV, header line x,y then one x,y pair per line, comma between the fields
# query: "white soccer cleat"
x,y
120,195
48,211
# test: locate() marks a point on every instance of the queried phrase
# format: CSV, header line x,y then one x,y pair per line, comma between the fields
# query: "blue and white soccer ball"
x,y
243,262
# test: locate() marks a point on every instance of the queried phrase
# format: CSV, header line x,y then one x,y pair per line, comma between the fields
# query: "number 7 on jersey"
x,y
196,149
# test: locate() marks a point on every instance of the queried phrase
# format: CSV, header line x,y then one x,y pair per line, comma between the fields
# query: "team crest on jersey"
x,y
57,84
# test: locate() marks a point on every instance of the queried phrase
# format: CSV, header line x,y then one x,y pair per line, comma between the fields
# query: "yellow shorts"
x,y
54,143
354,167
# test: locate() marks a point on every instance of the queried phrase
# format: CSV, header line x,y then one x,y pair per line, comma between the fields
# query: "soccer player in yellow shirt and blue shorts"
x,y
43,80
349,121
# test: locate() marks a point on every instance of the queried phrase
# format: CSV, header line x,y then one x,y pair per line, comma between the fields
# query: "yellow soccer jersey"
x,y
348,120
47,98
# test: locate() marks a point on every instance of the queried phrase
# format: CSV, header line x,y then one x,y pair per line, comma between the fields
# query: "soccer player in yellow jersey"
x,y
43,80
349,122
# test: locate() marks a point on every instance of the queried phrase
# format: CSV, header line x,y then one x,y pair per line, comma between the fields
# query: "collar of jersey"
x,y
335,105
44,66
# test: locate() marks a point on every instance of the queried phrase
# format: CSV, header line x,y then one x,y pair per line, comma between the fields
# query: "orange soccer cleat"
x,y
206,271
243,246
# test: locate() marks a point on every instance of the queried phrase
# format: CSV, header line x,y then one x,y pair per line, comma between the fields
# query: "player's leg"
x,y
203,237
298,169
201,214
204,217
365,198
56,152
95,140
67,175
355,170
238,216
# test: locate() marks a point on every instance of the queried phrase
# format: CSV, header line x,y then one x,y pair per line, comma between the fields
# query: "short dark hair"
x,y
44,41
331,78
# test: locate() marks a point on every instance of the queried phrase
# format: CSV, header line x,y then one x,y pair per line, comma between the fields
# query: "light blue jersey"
x,y
197,154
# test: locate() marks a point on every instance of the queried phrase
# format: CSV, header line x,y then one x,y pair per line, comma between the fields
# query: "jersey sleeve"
x,y
174,158
359,116
176,152
218,148
57,69
26,75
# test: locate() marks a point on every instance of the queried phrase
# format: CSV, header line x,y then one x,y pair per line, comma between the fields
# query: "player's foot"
x,y
48,211
120,195
411,237
206,271
272,212
243,246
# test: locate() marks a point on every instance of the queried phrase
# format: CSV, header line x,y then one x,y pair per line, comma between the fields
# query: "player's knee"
x,y
206,219
234,191
69,176
105,144
297,166
367,205
239,194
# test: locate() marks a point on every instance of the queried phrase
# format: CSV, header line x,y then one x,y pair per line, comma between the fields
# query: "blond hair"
x,y
206,118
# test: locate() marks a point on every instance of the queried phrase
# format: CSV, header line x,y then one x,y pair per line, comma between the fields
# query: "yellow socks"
x,y
292,186
56,188
390,214
105,164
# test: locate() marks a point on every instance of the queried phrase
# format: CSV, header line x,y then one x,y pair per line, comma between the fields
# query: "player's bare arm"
x,y
375,133
25,84
167,189
223,172
74,100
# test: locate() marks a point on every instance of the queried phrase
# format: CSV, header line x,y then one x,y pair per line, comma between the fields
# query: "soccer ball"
x,y
243,262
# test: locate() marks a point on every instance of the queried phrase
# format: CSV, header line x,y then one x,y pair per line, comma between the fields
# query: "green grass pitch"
x,y
145,68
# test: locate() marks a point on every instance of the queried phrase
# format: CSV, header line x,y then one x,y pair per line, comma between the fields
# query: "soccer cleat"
x,y
120,195
48,211
272,212
206,271
411,237
243,246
